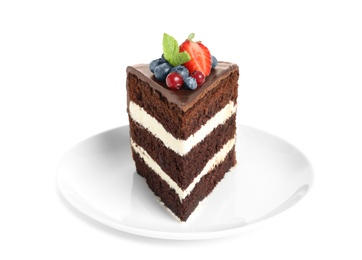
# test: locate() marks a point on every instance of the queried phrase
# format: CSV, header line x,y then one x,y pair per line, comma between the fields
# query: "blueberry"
x,y
163,60
213,61
154,64
162,70
190,83
182,70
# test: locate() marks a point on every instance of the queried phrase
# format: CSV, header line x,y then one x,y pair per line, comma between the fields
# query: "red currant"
x,y
199,76
174,80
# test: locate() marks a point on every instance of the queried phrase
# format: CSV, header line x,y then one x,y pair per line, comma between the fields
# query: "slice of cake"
x,y
183,140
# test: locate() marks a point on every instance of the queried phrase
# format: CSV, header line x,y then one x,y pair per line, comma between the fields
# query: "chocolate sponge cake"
x,y
182,115
183,142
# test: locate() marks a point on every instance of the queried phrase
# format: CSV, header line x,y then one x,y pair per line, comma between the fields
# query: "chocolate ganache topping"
x,y
183,98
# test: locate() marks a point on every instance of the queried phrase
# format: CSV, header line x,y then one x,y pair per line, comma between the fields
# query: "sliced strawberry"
x,y
200,56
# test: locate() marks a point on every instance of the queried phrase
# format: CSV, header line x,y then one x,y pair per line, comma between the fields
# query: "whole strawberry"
x,y
199,54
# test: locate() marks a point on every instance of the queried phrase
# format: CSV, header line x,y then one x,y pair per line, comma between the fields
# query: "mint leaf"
x,y
170,46
181,58
171,51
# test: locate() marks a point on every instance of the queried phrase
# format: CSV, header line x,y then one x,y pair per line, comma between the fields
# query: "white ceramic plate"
x,y
98,178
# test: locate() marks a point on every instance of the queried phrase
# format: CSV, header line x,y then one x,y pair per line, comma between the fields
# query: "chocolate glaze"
x,y
183,98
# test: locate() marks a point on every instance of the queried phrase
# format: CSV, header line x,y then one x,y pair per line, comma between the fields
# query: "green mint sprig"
x,y
172,53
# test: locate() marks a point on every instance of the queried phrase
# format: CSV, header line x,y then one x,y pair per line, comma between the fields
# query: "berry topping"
x,y
190,83
185,65
174,80
181,70
213,62
200,78
199,54
162,70
154,64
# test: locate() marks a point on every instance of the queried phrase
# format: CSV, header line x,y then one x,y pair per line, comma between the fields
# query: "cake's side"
x,y
183,149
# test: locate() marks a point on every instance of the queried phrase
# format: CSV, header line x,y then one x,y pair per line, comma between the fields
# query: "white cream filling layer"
x,y
179,146
211,164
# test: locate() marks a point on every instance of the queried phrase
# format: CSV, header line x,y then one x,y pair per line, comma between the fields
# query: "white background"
x,y
62,79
